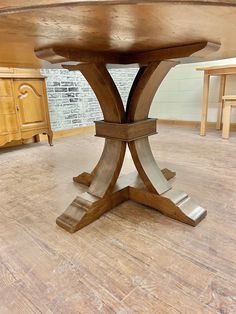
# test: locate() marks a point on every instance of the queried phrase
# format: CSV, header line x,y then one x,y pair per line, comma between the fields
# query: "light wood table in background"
x,y
222,72
92,34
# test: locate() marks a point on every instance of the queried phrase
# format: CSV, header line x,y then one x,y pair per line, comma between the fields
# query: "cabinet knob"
x,y
17,108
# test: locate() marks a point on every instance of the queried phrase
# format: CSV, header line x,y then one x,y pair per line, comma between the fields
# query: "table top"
x,y
112,26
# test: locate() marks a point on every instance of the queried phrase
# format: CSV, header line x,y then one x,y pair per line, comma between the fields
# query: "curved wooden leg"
x,y
110,101
86,178
160,195
174,204
143,90
100,197
109,168
146,166
50,138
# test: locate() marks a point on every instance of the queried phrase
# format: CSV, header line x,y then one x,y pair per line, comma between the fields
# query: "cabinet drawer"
x,y
7,105
5,87
8,123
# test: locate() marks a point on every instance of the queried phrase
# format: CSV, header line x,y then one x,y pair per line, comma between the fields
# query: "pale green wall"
x,y
180,94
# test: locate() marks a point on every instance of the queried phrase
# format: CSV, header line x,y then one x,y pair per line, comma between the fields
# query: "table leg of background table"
x,y
226,120
205,104
221,102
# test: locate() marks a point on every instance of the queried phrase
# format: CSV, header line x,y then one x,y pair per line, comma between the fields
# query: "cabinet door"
x,y
31,103
9,128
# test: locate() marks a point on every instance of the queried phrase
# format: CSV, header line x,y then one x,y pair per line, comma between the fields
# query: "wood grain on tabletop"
x,y
124,27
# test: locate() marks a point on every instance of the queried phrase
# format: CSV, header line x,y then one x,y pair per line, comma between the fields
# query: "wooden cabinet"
x,y
23,106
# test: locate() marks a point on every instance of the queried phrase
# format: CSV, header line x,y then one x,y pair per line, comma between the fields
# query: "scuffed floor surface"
x,y
133,259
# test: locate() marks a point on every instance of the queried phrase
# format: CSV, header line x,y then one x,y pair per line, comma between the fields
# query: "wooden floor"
x,y
132,260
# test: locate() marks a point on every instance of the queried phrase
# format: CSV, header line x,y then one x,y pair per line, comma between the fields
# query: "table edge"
x,y
52,4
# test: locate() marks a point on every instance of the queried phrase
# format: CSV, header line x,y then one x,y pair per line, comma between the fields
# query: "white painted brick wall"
x,y
72,102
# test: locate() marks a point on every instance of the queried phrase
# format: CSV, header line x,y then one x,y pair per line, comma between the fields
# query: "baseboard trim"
x,y
70,132
193,124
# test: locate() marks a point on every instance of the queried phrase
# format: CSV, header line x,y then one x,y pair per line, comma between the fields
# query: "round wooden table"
x,y
87,35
